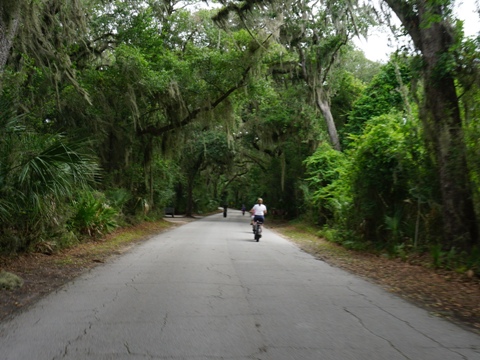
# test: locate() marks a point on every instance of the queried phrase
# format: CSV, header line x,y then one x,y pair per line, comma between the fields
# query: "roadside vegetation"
x,y
112,111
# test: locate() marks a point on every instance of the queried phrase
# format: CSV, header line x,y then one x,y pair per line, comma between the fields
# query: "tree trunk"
x,y
189,209
324,107
8,29
441,118
444,130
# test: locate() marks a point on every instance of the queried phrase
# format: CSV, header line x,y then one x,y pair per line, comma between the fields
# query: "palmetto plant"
x,y
93,216
38,173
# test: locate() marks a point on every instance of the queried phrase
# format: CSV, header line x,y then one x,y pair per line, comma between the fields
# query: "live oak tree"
x,y
165,70
9,20
429,25
316,32
44,30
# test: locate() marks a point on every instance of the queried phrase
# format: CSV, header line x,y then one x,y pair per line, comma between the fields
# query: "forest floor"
x,y
443,293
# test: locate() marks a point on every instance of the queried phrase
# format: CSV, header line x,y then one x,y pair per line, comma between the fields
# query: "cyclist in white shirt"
x,y
259,211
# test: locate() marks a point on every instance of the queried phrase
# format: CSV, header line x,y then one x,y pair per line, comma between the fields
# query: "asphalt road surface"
x,y
207,291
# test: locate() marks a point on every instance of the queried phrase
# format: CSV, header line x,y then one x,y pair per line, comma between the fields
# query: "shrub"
x,y
92,217
10,281
389,179
326,193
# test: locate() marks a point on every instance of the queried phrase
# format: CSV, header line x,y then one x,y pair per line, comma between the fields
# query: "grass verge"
x,y
305,236
116,242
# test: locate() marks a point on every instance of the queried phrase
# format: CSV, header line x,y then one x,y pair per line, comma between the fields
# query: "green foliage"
x,y
399,251
118,198
326,179
384,172
49,31
166,175
349,90
453,259
469,89
63,239
92,216
182,113
38,173
442,258
471,260
393,224
354,62
372,193
381,96
9,281
279,130
155,90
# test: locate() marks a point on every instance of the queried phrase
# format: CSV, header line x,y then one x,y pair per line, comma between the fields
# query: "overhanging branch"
x,y
158,131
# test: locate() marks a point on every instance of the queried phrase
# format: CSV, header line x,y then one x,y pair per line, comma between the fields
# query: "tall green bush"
x,y
38,174
381,192
391,183
330,194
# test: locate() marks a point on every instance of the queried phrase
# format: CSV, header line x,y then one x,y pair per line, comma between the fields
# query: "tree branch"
x,y
234,177
409,19
158,131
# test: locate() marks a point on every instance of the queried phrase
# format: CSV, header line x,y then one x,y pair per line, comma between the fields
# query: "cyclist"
x,y
258,211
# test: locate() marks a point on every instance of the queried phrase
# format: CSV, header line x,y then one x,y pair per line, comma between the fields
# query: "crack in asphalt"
x,y
392,345
403,321
219,272
71,342
127,347
95,312
164,324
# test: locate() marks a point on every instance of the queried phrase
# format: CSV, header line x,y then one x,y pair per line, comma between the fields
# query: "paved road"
x,y
206,291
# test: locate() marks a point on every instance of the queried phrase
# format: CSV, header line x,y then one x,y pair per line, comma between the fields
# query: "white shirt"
x,y
259,209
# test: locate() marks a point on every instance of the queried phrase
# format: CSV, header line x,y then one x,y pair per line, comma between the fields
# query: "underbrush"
x,y
323,242
121,238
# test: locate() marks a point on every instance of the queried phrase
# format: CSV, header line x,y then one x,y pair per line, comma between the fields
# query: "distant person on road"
x,y
225,206
258,211
243,209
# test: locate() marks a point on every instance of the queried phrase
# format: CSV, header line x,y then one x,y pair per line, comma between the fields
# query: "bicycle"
x,y
257,230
